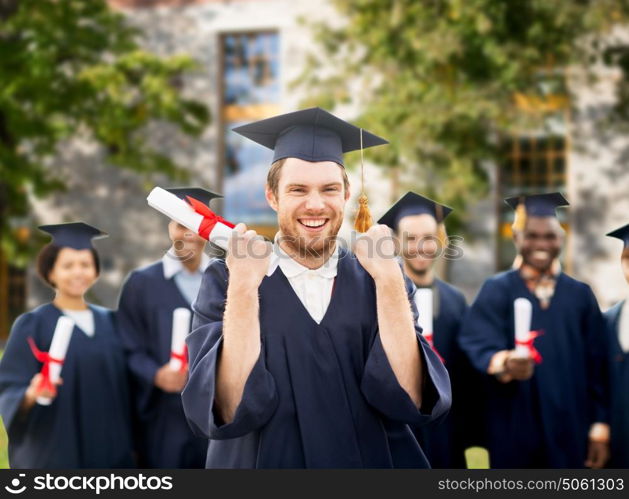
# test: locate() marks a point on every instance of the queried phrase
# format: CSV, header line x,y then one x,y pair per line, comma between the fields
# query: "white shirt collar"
x,y
173,265
290,268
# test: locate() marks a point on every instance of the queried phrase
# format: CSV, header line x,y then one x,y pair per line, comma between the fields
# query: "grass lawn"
x,y
4,452
477,458
4,455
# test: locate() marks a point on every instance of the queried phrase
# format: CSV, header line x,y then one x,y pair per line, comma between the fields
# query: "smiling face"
x,y
74,272
418,235
540,242
186,244
309,201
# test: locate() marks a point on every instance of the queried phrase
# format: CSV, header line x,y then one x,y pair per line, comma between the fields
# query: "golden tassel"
x,y
363,217
442,237
519,221
363,220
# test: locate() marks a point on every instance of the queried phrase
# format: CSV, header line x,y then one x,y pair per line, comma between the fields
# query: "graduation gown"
x,y
619,380
145,316
320,395
88,424
542,422
445,441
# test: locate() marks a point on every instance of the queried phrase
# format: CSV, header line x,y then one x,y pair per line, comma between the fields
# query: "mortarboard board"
x,y
622,233
310,134
535,205
414,204
77,235
197,193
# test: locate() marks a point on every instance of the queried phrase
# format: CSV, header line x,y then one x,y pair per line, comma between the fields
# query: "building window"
x,y
250,91
532,164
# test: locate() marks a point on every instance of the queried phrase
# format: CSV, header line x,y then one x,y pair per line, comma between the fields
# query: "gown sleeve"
x,y
597,361
17,368
483,332
382,390
259,398
133,330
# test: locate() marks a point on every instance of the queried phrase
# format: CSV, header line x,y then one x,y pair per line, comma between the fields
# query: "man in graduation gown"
x,y
320,364
419,225
617,320
148,299
547,408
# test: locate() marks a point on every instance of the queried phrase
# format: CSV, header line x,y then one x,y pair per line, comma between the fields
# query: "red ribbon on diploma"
x,y
45,370
428,337
183,357
528,343
210,219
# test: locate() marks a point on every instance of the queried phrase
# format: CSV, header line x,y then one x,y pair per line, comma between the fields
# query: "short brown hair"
x,y
273,177
47,258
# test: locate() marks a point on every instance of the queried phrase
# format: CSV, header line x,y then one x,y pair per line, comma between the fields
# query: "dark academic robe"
x,y
88,424
320,395
445,441
542,422
145,316
619,376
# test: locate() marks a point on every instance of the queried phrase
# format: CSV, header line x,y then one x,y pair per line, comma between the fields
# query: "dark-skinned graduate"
x,y
418,223
617,320
319,364
79,417
150,300
538,334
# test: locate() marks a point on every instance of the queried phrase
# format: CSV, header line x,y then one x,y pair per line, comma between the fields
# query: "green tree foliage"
x,y
76,69
441,78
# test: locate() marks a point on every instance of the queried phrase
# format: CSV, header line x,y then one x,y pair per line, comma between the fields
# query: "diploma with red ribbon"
x,y
524,337
181,328
54,358
198,217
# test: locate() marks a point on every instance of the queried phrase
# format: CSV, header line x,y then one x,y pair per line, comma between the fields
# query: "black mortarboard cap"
x,y
202,195
414,204
622,233
310,134
77,235
539,205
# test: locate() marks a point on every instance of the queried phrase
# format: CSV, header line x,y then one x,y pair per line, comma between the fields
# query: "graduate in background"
x,y
87,424
617,319
148,300
320,364
548,397
418,222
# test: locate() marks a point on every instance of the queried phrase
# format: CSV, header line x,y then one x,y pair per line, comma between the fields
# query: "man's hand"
x,y
519,368
247,257
598,454
170,380
375,250
34,391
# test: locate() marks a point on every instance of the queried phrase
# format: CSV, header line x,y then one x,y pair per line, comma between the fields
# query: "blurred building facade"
x,y
249,53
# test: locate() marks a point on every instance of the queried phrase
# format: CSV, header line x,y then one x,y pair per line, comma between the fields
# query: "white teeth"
x,y
540,254
313,223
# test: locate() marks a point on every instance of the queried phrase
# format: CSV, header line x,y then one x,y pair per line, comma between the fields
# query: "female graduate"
x,y
617,320
87,424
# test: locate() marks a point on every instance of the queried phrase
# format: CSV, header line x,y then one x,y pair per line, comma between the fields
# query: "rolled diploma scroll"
x,y
423,300
181,212
58,348
523,311
181,328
